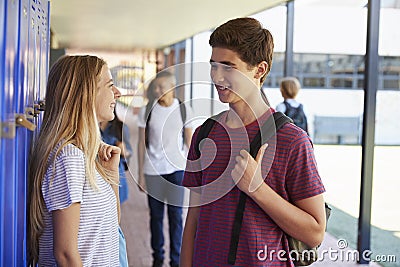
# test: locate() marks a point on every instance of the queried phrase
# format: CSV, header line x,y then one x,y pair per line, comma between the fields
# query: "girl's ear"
x,y
261,70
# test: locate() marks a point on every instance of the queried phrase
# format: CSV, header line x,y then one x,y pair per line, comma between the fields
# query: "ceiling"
x,y
125,25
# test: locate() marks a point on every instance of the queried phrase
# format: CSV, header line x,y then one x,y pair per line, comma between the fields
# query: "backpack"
x,y
266,132
297,115
147,116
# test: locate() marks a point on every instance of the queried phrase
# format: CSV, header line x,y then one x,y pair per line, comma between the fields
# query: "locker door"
x,y
2,54
24,105
19,87
8,164
44,45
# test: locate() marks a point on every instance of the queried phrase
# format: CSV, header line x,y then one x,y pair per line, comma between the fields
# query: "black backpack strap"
x,y
147,116
204,130
237,225
280,119
267,131
182,108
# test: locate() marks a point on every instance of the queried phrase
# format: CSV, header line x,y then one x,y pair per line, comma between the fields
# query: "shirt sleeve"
x,y
65,187
141,122
193,175
189,116
303,179
281,107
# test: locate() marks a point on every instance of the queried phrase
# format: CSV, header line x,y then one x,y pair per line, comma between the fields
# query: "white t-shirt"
x,y
166,153
282,108
98,227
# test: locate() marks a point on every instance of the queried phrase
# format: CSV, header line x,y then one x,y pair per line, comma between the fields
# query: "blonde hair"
x,y
69,118
290,87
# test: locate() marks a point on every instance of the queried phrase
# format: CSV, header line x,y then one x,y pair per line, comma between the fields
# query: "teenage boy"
x,y
282,184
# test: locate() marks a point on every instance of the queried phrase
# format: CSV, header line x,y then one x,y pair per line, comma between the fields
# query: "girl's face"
x,y
106,96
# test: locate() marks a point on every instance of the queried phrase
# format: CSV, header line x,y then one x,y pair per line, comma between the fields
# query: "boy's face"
x,y
232,77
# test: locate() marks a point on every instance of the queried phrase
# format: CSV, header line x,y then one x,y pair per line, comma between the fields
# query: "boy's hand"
x,y
247,171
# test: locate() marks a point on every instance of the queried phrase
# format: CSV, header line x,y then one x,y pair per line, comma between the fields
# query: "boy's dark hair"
x,y
248,38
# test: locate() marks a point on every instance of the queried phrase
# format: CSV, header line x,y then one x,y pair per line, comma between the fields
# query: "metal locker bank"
x,y
24,50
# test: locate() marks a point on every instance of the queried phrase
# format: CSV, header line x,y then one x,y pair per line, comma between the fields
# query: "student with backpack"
x,y
164,135
279,182
290,87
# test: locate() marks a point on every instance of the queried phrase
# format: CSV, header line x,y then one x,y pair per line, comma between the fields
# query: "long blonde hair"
x,y
69,118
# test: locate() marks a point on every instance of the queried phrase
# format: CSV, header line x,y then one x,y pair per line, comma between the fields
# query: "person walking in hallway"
x,y
290,87
164,137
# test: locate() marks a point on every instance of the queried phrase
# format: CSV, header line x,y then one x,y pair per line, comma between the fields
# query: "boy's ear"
x,y
261,70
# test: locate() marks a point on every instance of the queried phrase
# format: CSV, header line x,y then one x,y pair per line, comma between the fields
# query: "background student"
x,y
290,87
165,134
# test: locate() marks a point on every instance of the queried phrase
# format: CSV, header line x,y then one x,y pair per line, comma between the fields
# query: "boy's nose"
x,y
217,75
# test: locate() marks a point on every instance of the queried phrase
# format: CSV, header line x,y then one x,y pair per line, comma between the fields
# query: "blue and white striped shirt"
x,y
98,227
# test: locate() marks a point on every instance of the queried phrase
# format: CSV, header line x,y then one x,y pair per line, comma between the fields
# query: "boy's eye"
x,y
215,65
227,67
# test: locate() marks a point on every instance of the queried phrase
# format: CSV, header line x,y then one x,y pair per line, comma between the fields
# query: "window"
x,y
335,71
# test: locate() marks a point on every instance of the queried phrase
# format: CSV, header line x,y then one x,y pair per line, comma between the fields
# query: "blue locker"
x,y
8,143
24,104
24,52
44,31
31,50
2,55
35,45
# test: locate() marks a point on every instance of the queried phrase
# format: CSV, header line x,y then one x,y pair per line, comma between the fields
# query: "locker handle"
x,y
21,120
38,107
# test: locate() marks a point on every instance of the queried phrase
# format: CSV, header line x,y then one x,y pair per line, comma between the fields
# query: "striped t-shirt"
x,y
290,170
98,227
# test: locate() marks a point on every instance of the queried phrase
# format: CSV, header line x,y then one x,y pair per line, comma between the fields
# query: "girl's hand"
x,y
109,157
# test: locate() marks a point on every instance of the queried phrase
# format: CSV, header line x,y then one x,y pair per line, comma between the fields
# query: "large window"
x,y
335,71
